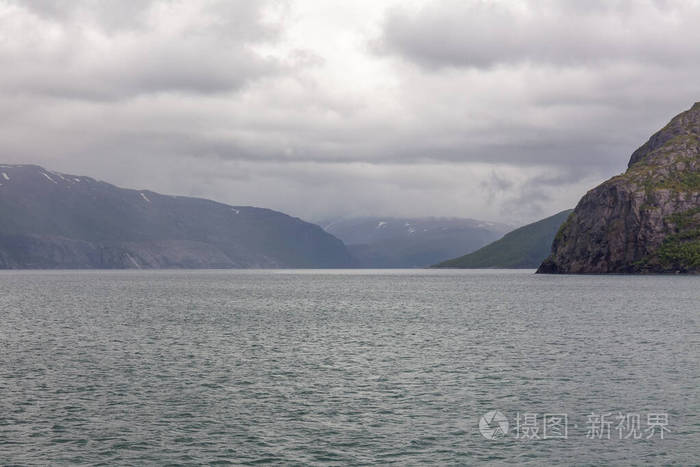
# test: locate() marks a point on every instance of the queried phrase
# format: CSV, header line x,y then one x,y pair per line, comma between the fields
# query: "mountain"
x,y
54,220
376,242
645,220
523,248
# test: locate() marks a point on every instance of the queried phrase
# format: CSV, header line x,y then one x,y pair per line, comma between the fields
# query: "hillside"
x,y
376,242
523,248
53,220
645,220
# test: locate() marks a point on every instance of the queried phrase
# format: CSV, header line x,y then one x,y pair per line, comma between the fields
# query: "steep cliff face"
x,y
645,220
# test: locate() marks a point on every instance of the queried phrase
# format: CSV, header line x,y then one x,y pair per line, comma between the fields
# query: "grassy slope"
x,y
673,167
523,248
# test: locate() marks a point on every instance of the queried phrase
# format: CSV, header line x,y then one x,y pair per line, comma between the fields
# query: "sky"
x,y
496,110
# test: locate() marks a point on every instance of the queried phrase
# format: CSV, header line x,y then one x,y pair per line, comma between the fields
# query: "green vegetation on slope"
x,y
523,248
681,250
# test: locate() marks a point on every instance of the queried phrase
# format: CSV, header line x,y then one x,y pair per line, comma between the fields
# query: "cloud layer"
x,y
498,110
566,33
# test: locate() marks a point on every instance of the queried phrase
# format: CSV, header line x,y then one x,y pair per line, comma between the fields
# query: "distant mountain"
x,y
378,242
646,220
54,220
523,248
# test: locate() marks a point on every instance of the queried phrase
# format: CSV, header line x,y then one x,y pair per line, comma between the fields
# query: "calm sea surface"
x,y
347,368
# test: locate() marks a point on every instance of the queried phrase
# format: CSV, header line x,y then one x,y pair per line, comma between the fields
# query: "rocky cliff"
x,y
51,220
645,220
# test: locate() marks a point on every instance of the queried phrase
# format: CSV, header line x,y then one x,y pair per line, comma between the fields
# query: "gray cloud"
x,y
128,14
565,33
115,50
455,108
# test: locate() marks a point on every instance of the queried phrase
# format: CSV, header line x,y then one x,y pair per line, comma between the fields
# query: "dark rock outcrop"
x,y
50,220
645,220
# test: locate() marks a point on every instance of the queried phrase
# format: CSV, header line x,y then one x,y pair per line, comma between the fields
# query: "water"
x,y
341,367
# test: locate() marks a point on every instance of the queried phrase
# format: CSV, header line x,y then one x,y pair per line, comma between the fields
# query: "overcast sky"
x,y
496,110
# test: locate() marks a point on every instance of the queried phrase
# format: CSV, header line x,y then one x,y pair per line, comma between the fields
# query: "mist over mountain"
x,y
523,248
384,242
54,220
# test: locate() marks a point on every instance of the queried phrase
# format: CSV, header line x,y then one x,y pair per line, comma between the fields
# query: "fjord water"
x,y
341,367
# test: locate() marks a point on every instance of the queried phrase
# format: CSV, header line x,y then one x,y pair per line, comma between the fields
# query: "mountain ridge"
x,y
522,248
402,242
54,220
